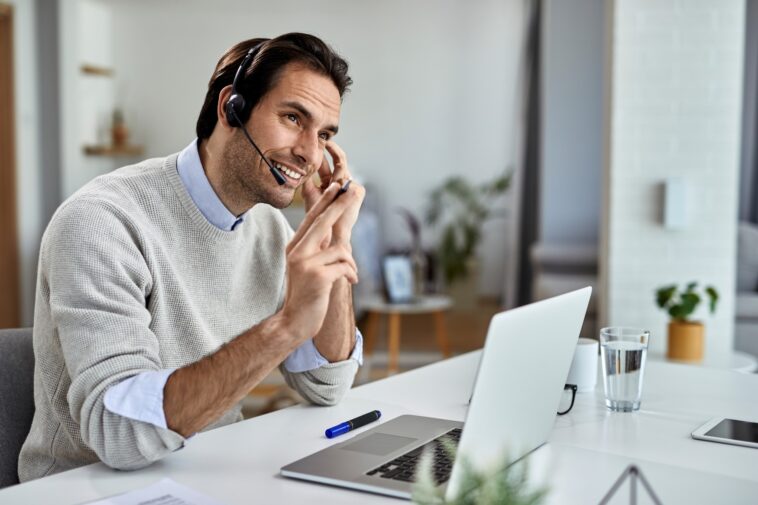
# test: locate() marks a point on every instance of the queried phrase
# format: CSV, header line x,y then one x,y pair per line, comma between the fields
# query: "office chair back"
x,y
16,398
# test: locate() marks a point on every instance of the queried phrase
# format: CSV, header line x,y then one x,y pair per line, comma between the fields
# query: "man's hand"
x,y
335,337
342,230
197,394
315,261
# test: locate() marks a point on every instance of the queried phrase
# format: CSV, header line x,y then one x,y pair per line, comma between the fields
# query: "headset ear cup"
x,y
235,107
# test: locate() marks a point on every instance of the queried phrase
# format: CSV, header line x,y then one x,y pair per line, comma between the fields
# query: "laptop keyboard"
x,y
403,467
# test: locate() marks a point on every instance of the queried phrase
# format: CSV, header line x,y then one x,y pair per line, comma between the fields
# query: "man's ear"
x,y
223,96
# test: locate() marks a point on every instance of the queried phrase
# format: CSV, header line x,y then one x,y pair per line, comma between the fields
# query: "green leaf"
x,y
690,287
664,295
689,303
677,312
713,298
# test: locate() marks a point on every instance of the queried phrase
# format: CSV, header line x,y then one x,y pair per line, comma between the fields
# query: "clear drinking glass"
x,y
623,352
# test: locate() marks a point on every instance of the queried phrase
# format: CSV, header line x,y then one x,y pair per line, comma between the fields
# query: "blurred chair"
x,y
16,398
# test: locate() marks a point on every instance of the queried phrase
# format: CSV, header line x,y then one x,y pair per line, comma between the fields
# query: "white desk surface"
x,y
588,448
735,360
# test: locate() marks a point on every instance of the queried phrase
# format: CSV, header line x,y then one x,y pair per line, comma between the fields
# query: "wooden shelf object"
x,y
104,150
96,70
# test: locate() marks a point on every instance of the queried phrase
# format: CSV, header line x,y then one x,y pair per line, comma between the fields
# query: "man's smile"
x,y
292,174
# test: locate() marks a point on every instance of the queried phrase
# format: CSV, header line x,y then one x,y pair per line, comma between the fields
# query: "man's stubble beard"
x,y
246,179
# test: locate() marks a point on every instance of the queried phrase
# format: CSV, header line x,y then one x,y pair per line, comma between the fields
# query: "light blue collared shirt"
x,y
141,397
191,172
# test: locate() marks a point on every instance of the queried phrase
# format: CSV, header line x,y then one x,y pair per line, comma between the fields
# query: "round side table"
x,y
376,307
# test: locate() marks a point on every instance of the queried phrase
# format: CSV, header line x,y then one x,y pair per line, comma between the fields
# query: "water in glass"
x,y
623,368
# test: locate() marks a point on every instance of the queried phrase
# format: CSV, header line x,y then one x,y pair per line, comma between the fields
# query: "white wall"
x,y
86,101
571,150
675,110
433,96
28,199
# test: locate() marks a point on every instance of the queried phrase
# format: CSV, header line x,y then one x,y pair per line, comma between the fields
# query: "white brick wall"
x,y
675,89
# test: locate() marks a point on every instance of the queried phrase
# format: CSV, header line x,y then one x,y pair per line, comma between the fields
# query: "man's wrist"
x,y
282,324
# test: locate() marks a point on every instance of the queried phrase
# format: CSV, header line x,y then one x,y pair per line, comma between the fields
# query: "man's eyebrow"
x,y
307,115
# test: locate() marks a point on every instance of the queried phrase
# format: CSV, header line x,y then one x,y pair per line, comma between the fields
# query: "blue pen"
x,y
353,424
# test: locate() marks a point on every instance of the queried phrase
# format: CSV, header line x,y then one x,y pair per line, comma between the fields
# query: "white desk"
x,y
588,448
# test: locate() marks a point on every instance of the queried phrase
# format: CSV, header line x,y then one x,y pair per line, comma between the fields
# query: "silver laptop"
x,y
523,368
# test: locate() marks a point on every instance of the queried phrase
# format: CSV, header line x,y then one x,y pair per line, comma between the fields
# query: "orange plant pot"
x,y
686,341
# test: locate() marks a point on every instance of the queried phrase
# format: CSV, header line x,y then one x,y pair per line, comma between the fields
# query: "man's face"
x,y
290,125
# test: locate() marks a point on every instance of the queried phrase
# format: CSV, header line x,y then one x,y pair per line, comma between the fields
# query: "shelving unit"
x,y
96,70
104,150
107,150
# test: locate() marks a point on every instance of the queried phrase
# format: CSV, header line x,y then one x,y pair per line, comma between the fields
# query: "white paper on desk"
x,y
163,492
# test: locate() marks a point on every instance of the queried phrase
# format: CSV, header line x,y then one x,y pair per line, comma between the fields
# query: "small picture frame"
x,y
398,278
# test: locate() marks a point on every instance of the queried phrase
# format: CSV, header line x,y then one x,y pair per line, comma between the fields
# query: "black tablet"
x,y
729,431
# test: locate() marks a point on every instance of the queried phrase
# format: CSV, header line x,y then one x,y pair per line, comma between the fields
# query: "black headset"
x,y
236,108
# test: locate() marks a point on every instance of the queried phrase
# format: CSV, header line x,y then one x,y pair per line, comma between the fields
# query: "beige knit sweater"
x,y
133,278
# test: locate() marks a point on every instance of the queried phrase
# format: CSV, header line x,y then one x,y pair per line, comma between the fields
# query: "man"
x,y
168,289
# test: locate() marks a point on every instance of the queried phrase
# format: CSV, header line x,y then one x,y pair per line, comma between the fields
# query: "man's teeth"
x,y
290,173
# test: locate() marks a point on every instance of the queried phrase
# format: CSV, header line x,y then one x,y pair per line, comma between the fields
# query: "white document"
x,y
163,492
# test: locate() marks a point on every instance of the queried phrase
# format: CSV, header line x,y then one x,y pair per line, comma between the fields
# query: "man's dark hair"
x,y
263,73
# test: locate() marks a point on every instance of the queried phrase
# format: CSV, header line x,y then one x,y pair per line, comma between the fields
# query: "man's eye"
x,y
292,118
323,136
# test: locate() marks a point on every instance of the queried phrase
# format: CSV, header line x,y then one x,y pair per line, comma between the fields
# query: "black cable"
x,y
274,171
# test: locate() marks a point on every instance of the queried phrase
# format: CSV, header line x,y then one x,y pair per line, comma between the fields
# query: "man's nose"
x,y
308,149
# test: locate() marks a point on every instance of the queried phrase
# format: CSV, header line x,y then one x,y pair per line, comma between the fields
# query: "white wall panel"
x,y
675,111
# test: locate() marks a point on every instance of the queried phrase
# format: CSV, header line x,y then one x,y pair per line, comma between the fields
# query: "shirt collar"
x,y
193,177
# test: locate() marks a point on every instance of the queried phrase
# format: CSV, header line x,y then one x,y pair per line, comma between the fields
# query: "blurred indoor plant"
x,y
685,337
460,208
417,254
502,484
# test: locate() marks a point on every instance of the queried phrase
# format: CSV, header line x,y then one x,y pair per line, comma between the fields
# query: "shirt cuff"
x,y
306,357
140,397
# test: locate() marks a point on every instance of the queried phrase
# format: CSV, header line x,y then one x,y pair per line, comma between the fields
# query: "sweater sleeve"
x,y
306,357
99,284
328,383
325,385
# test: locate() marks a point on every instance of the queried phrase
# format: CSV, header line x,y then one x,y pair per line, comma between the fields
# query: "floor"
x,y
467,329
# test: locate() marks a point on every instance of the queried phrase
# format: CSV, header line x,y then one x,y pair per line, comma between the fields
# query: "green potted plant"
x,y
502,484
459,208
685,337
